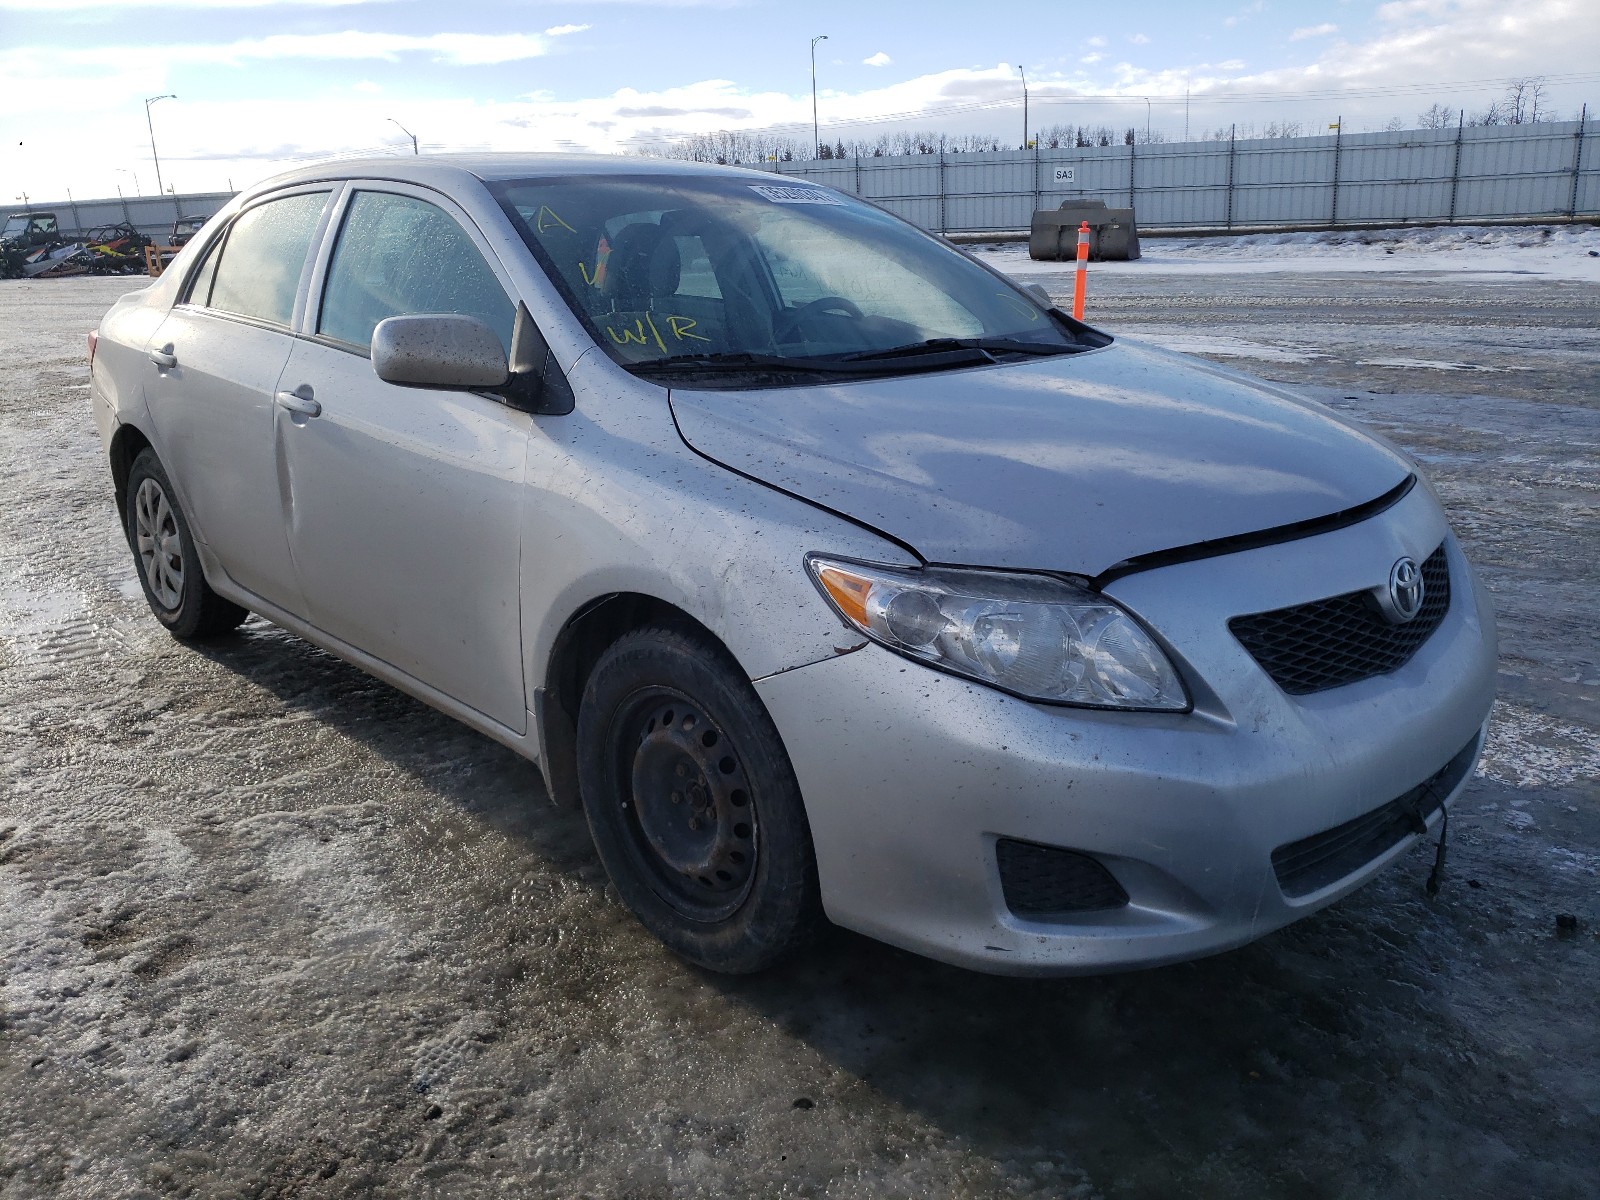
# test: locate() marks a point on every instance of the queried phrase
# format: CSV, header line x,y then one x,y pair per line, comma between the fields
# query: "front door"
x,y
405,504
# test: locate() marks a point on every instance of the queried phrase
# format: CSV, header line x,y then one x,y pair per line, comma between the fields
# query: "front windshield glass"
x,y
690,271
14,226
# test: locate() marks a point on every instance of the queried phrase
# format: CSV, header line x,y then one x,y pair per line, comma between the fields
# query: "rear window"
x,y
258,271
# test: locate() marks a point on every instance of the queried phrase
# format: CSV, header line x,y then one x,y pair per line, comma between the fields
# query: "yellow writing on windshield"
x,y
644,330
1020,305
680,327
548,220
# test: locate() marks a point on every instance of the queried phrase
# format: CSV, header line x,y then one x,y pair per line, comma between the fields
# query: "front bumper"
x,y
911,776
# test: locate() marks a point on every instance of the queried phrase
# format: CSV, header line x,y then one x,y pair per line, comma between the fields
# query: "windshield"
x,y
729,273
14,226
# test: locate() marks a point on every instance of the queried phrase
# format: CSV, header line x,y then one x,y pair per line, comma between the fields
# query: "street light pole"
x,y
1147,120
816,137
151,127
408,133
1024,106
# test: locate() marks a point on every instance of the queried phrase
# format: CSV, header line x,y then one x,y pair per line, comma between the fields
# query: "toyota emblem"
x,y
1406,589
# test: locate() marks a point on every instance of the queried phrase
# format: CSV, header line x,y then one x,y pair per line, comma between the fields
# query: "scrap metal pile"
x,y
32,247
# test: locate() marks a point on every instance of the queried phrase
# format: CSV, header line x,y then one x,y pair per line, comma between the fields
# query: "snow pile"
x,y
1570,252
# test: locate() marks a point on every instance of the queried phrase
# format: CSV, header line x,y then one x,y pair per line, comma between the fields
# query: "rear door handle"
x,y
305,406
164,357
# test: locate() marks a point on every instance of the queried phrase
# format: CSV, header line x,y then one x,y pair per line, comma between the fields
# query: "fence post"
x,y
858,174
1455,171
1338,146
1233,134
1133,155
943,225
1038,187
1577,162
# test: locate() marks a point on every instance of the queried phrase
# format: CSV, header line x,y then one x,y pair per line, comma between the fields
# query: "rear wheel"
x,y
693,804
164,554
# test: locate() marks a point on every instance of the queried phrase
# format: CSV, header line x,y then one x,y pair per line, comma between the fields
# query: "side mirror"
x,y
1037,291
439,350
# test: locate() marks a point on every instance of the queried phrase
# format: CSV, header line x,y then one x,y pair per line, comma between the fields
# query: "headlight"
x,y
1040,638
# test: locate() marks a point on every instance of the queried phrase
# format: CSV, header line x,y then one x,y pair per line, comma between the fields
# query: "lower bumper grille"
x,y
1041,881
1313,863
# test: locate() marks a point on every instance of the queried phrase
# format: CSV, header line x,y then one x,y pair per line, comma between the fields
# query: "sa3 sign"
x,y
1066,175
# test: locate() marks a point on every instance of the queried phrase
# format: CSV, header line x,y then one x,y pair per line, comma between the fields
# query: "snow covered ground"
x,y
1569,252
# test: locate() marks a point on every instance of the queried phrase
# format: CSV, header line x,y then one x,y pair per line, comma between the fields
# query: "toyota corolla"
x,y
835,576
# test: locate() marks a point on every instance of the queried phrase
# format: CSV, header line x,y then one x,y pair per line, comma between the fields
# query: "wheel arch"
x,y
587,634
126,445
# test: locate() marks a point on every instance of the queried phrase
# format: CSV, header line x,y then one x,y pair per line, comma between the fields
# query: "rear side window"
x,y
398,255
260,264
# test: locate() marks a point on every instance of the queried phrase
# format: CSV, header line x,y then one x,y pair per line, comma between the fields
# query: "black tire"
x,y
165,558
693,803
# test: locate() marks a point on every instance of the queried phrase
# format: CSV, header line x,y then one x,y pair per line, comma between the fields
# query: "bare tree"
x,y
1436,117
1523,99
1494,114
1394,124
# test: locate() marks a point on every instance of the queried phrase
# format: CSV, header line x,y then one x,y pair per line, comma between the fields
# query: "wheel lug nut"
x,y
694,823
683,771
677,797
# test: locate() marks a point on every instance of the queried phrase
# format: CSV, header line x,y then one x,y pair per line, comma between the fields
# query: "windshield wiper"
x,y
743,360
988,347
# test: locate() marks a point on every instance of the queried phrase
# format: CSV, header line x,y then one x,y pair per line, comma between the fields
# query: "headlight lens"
x,y
1041,638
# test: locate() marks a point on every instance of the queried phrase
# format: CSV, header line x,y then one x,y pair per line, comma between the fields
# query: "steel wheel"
x,y
687,804
693,802
159,546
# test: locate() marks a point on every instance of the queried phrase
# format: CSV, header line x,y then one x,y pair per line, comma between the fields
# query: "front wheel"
x,y
693,804
164,554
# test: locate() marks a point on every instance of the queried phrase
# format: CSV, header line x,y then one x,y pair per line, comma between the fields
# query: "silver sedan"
x,y
837,577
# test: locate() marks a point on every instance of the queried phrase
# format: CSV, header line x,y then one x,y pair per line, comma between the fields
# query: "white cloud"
x,y
880,59
1313,31
454,49
1139,39
1097,40
1091,59
367,86
565,30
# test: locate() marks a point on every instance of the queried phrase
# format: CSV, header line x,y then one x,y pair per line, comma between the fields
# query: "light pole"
x,y
1146,119
151,127
816,137
1024,106
408,133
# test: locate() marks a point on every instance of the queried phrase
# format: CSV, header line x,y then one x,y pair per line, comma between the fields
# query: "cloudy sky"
x,y
264,84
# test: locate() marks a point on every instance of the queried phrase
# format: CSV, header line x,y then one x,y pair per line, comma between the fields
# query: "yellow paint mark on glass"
x,y
680,327
1021,306
548,220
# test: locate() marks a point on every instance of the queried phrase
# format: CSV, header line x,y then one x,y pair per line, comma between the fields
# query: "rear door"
x,y
214,367
405,504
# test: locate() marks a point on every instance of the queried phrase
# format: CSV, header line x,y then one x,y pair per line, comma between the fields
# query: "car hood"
x,y
1074,463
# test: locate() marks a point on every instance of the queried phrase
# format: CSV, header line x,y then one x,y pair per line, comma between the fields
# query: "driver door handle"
x,y
164,357
304,406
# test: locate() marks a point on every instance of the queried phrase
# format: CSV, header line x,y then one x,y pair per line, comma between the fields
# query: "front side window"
x,y
258,271
687,271
397,256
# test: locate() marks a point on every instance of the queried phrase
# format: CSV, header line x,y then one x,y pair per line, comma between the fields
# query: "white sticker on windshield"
x,y
779,194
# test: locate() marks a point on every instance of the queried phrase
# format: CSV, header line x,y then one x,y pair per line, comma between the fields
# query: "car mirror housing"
x,y
439,350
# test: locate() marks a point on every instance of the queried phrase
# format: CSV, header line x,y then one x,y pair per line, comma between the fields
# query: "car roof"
x,y
443,170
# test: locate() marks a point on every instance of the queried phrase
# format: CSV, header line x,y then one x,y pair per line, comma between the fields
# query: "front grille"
x,y
1046,880
1321,645
1312,863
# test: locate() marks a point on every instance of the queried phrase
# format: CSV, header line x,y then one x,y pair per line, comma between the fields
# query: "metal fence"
x,y
1411,176
153,216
